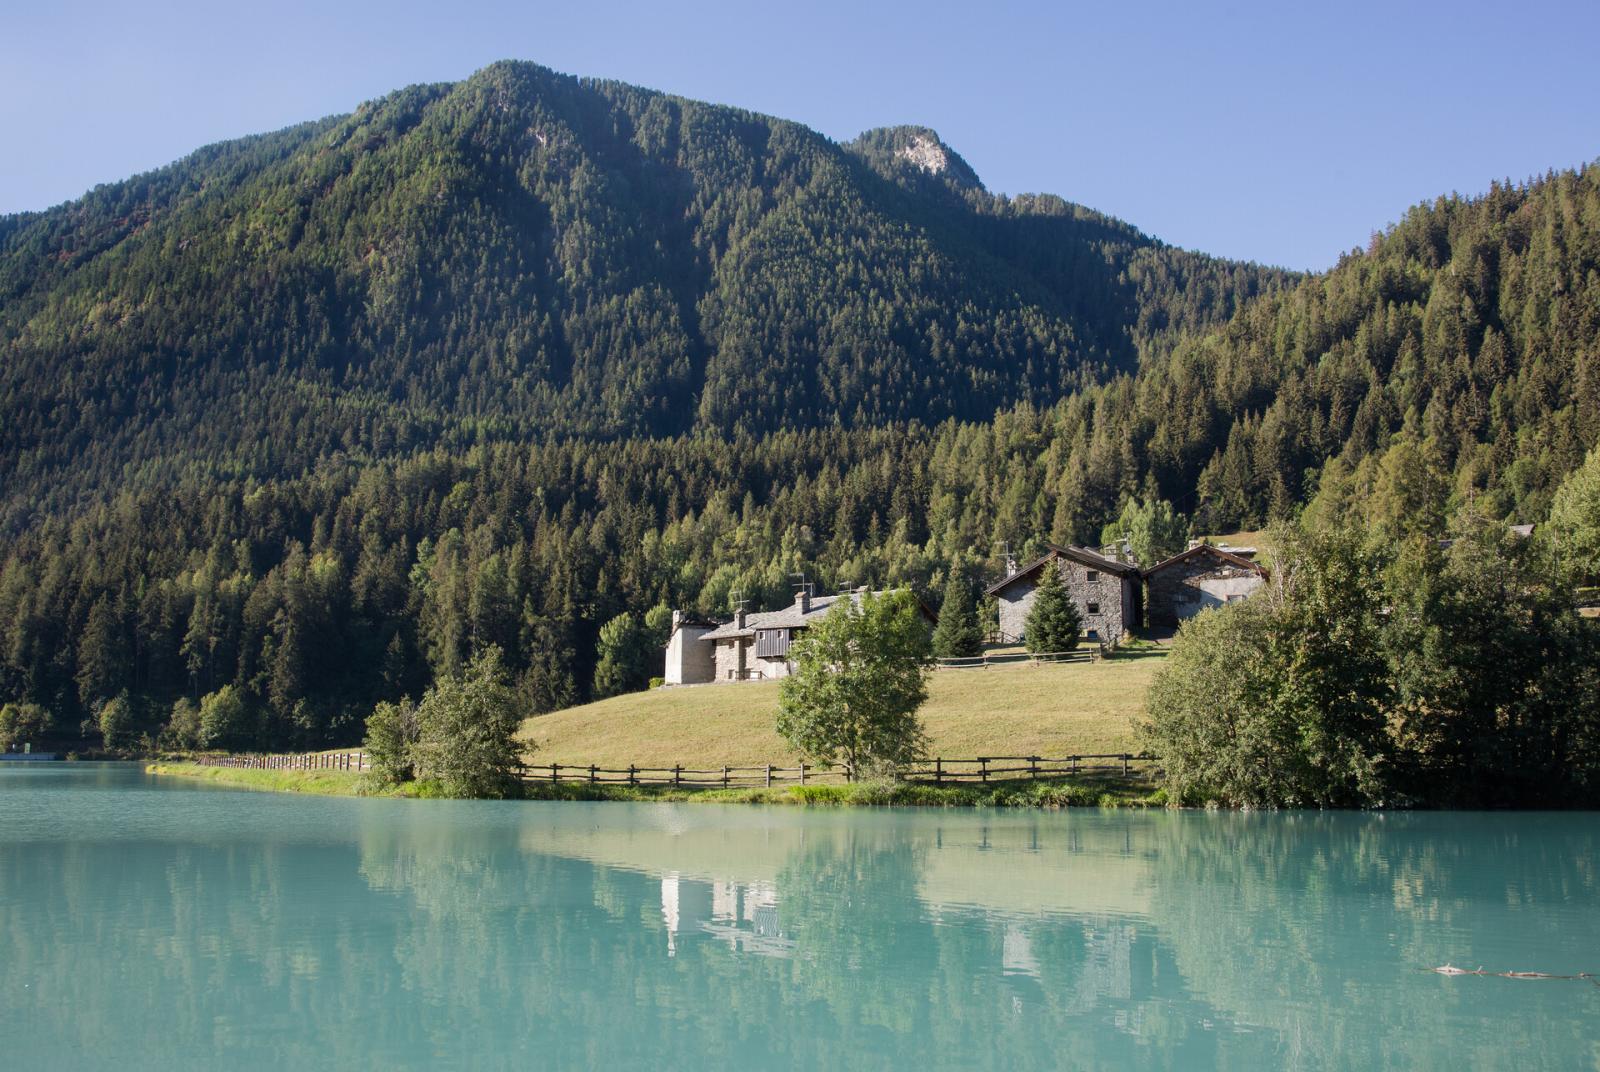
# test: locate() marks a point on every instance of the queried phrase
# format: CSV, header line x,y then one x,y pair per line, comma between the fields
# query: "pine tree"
x,y
958,634
1053,622
623,651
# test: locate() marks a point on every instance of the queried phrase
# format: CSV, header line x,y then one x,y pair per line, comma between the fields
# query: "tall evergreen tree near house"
x,y
1053,623
624,657
958,634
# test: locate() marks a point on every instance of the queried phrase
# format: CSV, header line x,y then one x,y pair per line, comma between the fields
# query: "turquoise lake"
x,y
154,923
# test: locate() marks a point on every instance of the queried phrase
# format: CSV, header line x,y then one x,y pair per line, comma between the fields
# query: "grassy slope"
x,y
1011,710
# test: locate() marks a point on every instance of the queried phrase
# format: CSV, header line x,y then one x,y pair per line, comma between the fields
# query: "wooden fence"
x,y
937,770
347,761
983,662
688,777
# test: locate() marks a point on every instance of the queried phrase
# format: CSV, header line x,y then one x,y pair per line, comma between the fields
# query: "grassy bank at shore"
x,y
328,783
1044,793
1020,709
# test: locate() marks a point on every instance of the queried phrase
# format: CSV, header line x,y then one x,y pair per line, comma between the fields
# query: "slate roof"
x,y
1081,555
1229,557
789,617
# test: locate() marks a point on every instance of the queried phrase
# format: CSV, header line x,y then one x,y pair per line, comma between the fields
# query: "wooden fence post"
x,y
724,777
769,775
983,772
802,773
938,771
555,772
1033,767
593,774
1125,758
677,775
632,780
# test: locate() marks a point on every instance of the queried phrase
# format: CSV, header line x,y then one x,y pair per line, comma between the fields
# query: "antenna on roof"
x,y
806,586
1011,562
737,598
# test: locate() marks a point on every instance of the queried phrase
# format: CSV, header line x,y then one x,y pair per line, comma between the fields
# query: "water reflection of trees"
x,y
488,935
1314,926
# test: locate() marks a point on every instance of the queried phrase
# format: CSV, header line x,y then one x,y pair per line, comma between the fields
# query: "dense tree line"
x,y
305,422
1371,672
526,252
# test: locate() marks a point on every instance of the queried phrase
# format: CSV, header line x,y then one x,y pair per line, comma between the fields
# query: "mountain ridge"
x,y
574,256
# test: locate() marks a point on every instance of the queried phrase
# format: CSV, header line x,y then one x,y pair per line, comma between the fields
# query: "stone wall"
x,y
690,660
737,656
770,668
1186,588
731,658
1113,601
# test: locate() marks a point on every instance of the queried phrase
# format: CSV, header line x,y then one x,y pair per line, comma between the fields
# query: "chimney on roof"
x,y
677,620
738,617
802,599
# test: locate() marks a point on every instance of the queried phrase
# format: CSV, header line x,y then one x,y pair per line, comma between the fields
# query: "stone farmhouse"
x,y
1108,593
1203,576
751,647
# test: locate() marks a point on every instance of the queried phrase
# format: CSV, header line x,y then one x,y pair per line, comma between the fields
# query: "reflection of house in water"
x,y
744,916
1016,953
1108,964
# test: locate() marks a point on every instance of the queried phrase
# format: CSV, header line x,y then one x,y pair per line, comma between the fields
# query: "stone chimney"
x,y
738,617
802,599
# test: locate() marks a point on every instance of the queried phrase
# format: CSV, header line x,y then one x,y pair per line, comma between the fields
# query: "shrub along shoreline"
x,y
1044,793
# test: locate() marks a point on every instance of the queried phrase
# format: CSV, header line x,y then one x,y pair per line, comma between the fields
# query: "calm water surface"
x,y
158,924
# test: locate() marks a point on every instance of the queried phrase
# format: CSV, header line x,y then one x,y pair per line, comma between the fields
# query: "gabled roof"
x,y
1215,552
791,617
1081,555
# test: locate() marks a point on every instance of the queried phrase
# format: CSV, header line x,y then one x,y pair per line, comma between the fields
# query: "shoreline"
x,y
1020,793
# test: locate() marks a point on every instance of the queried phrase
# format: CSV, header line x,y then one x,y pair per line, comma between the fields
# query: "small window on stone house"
x,y
1094,608
1094,577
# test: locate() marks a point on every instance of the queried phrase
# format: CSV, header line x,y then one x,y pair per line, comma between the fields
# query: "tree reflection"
x,y
247,930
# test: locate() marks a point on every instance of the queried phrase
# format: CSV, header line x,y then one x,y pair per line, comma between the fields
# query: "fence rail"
x,y
936,770
348,761
983,662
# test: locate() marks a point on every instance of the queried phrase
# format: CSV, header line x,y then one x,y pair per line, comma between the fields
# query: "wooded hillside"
x,y
318,414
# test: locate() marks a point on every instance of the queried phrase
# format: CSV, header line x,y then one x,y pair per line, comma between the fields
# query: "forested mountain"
x,y
316,415
527,253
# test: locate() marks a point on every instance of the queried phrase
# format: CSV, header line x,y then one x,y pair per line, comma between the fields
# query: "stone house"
x,y
751,647
689,660
1203,576
1108,593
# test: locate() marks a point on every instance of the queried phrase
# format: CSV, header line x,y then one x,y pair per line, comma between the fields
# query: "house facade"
x,y
1203,576
1107,593
689,659
751,647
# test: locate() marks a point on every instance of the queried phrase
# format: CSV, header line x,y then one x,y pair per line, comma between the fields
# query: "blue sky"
x,y
1279,132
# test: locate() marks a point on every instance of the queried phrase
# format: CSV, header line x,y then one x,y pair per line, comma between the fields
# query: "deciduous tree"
x,y
860,676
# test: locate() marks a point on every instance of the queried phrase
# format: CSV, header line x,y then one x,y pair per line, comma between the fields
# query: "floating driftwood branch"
x,y
1450,969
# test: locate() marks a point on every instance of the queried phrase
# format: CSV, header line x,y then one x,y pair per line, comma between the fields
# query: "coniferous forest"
x,y
303,421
